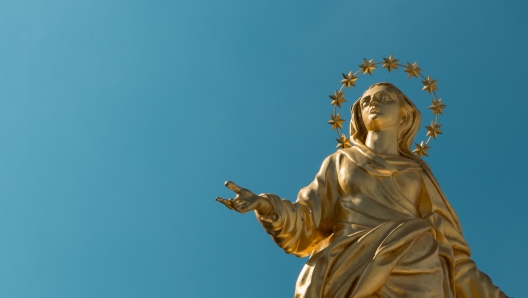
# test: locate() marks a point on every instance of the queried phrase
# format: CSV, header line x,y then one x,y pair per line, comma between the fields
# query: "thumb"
x,y
232,186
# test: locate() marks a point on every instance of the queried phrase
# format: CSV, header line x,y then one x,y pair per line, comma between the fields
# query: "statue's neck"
x,y
384,141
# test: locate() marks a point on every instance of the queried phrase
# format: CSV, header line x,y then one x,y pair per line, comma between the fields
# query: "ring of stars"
x,y
412,70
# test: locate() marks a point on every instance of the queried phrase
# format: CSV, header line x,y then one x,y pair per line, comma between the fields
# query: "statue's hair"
x,y
408,129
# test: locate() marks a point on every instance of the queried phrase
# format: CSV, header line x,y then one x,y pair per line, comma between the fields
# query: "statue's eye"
x,y
365,101
384,97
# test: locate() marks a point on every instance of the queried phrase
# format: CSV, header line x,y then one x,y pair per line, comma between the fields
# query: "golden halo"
x,y
390,63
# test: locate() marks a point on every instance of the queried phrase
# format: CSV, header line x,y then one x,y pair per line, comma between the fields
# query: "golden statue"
x,y
374,221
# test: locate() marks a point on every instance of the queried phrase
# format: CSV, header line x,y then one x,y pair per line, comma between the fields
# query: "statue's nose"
x,y
374,102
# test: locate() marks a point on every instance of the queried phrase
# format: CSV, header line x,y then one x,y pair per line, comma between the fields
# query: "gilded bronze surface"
x,y
390,64
374,221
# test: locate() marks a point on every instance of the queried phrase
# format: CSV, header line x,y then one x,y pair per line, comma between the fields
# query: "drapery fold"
x,y
375,226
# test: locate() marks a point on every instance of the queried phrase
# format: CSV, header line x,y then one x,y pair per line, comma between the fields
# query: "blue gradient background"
x,y
120,121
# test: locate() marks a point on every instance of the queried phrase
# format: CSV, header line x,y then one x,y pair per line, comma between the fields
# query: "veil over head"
x,y
408,130
412,116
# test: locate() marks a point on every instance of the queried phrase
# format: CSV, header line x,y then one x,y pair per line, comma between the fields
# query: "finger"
x,y
227,203
232,186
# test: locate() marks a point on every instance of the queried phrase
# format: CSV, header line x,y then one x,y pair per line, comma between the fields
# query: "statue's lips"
x,y
374,111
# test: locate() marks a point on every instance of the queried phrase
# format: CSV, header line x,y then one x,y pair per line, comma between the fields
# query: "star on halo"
x,y
412,70
343,142
336,121
338,98
429,85
349,80
390,63
421,149
437,106
433,130
368,66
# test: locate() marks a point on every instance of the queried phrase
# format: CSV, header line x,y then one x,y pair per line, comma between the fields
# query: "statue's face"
x,y
380,108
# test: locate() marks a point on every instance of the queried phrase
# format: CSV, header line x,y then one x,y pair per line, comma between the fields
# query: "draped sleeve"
x,y
298,227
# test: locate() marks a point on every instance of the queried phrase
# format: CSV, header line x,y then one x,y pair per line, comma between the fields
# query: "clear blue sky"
x,y
120,121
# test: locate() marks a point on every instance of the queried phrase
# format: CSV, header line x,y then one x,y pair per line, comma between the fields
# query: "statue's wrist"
x,y
265,206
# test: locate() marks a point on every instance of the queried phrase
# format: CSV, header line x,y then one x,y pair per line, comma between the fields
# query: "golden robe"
x,y
375,226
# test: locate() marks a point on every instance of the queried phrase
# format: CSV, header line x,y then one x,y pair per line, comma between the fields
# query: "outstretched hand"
x,y
245,200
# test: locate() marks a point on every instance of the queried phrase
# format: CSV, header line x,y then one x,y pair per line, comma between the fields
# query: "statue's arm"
x,y
297,227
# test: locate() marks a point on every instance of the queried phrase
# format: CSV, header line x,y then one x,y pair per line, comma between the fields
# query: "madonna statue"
x,y
374,221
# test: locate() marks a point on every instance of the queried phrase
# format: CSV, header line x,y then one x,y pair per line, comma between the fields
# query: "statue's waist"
x,y
341,229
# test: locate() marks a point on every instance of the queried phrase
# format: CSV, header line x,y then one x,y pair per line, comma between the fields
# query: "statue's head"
x,y
383,105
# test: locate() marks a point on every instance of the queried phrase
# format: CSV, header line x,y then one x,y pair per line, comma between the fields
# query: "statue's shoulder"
x,y
351,153
342,156
351,150
342,153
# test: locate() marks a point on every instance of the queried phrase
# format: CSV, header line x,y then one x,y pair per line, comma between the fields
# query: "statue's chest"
x,y
357,182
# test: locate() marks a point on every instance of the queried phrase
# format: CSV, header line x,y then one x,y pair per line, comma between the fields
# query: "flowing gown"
x,y
375,226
